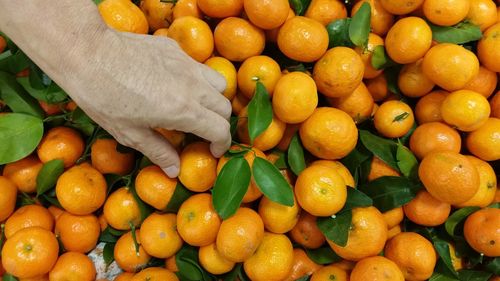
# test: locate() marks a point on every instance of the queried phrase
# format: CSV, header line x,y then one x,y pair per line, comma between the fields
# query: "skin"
x,y
127,83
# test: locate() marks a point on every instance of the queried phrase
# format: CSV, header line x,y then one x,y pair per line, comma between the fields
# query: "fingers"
x,y
214,78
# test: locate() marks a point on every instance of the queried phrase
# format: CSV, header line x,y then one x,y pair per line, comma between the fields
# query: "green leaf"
x,y
383,148
48,175
299,6
336,228
281,161
460,33
35,87
495,205
493,266
80,121
457,217
233,121
233,274
380,59
443,249
260,112
107,236
8,277
16,97
473,275
19,136
188,264
304,278
391,74
108,253
338,33
401,117
296,155
180,195
230,186
323,255
389,192
51,199
354,159
271,182
355,199
14,61
441,277
407,162
360,26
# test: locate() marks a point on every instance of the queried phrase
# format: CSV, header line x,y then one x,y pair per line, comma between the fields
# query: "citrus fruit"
x,y
108,160
426,210
484,83
487,184
194,37
408,40
376,269
306,232
366,55
28,216
212,261
378,168
326,11
155,274
330,272
447,12
378,87
302,265
154,187
23,173
268,139
359,105
488,46
340,168
258,69
221,9
8,193
128,256
393,119
198,167
158,13
466,110
278,218
396,7
428,108
226,69
266,14
237,39
121,209
78,233
484,141
380,21
413,82
481,231
61,143
123,15
159,236
73,266
184,8
434,136
393,217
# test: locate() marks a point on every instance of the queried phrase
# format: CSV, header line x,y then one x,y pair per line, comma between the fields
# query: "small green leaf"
x,y
359,29
495,205
304,278
401,117
407,162
355,199
338,33
473,275
48,175
260,112
19,136
189,267
280,163
16,97
14,61
296,155
33,84
460,33
233,274
391,75
108,253
388,192
233,121
230,186
457,217
493,266
380,59
299,6
180,195
354,159
443,249
8,277
336,228
382,148
271,182
80,121
323,255
107,236
441,277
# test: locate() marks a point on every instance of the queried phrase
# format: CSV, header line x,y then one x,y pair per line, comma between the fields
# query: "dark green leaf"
x,y
354,159
280,163
296,155
35,87
108,253
189,268
304,278
299,6
230,186
48,175
391,74
493,266
323,255
271,182
388,192
8,277
108,236
404,139
80,121
233,121
380,59
355,199
383,148
19,136
233,274
14,61
180,195
407,162
441,277
401,117
473,275
336,228
461,33
457,217
360,26
52,200
338,33
144,162
260,112
495,205
443,249
16,97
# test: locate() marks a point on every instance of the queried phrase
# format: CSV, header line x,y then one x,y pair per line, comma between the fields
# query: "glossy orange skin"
x,y
306,232
376,269
73,265
488,46
126,255
408,40
184,8
237,39
8,193
381,20
481,231
484,141
108,160
413,82
26,217
302,265
23,173
326,11
434,136
483,13
427,210
359,105
446,12
198,168
121,209
61,143
221,9
154,187
159,235
484,83
194,36
78,233
428,108
266,14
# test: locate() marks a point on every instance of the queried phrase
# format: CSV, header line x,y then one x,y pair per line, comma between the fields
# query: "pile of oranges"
x,y
440,109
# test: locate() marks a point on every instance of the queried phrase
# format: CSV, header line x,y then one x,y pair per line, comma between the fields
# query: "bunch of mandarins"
x,y
381,134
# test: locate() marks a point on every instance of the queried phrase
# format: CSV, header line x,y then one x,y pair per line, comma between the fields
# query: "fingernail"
x,y
172,171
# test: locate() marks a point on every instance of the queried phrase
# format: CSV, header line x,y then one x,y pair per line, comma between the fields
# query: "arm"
x,y
127,83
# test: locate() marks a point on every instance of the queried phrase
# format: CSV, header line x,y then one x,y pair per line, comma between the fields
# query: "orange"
x,y
414,255
78,233
240,235
428,108
482,13
481,231
295,97
161,32
377,87
359,104
198,167
450,66
121,209
340,168
108,160
154,187
212,261
266,14
466,110
55,211
484,83
228,71
367,235
125,276
366,55
44,277
393,217
393,119
155,274
434,136
197,221
175,138
159,236
396,7
488,46
268,139
413,82
102,222
302,265
330,272
239,102
61,143
194,37
23,173
8,193
278,218
306,232
171,264
237,39
123,15
51,108
3,44
408,40
487,184
320,190
380,21
326,11
339,72
290,131
28,216
376,269
329,133
30,252
427,210
71,106
127,256
303,39
81,190
273,259
221,9
158,13
393,232
73,266
484,142
258,68
449,176
379,168
184,8
446,12
272,34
